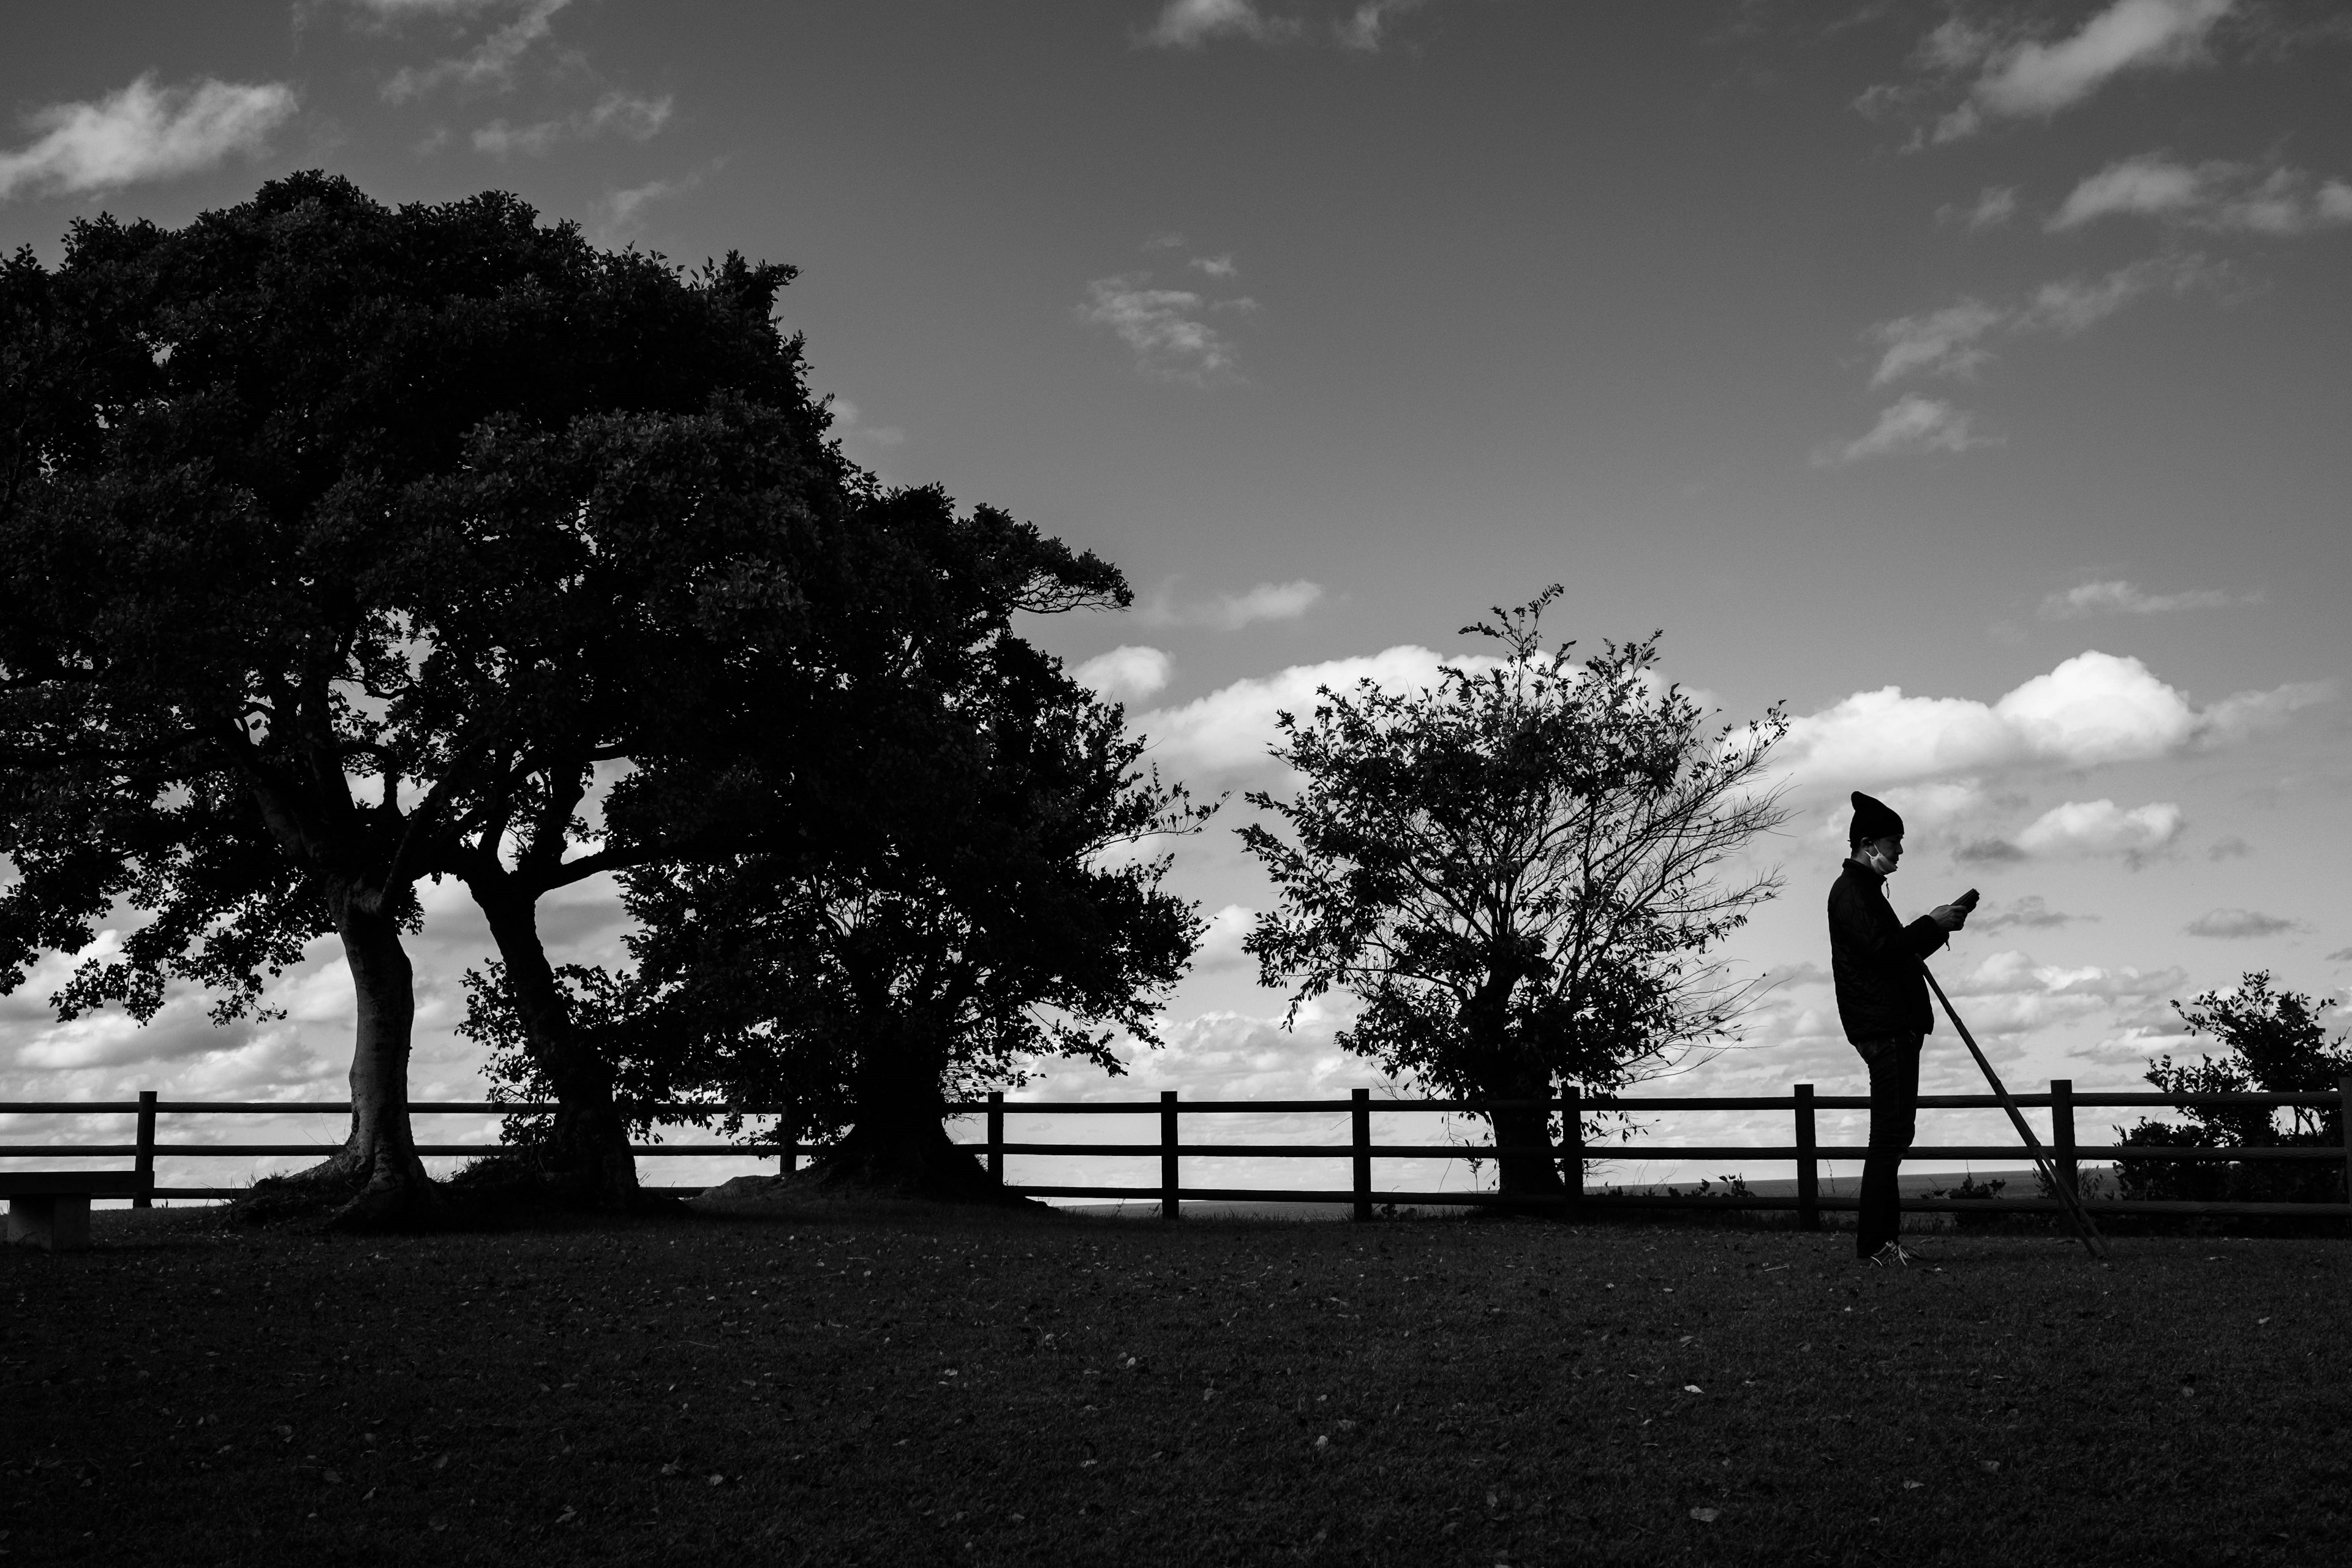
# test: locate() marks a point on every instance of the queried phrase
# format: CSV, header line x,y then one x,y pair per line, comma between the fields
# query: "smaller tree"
x,y
979,906
2273,1043
1514,873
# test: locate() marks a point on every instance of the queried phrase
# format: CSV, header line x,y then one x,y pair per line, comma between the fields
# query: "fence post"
x,y
996,1136
2344,1124
2062,1134
1808,1164
1168,1206
788,1140
1359,1115
144,1163
1572,1147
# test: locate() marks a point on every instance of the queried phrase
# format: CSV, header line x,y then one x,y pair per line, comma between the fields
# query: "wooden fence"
x,y
1803,1106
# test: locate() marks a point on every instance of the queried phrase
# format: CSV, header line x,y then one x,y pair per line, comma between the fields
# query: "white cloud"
x,y
638,118
1165,328
1231,612
1220,945
1953,340
1125,674
2237,924
1215,266
1366,25
2092,710
1230,730
2215,195
1910,424
2010,995
144,133
617,214
489,63
1943,343
1994,206
2028,79
2119,598
1189,23
2101,827
2031,912
849,424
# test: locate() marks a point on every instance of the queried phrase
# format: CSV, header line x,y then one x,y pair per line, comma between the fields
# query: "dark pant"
x,y
1893,1118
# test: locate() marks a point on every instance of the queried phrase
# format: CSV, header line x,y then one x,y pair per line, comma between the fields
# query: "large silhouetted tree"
x,y
341,547
1514,873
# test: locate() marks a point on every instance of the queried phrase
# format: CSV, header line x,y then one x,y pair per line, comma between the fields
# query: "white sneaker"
x,y
1890,1256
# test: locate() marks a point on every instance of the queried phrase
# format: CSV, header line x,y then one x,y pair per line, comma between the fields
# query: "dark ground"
x,y
902,1388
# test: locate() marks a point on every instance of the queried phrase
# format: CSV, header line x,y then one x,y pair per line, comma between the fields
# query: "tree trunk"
x,y
1505,1071
377,1164
590,1152
897,1141
1535,1175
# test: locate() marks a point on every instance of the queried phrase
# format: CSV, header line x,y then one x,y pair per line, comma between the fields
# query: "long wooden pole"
x,y
2075,1212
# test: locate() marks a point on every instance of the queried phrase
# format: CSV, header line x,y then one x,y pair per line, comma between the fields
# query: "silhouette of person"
x,y
1882,996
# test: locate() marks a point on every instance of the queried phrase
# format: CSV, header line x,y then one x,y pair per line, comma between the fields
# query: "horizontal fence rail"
x,y
1573,1153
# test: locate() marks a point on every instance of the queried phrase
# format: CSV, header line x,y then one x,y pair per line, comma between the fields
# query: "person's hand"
x,y
1951,916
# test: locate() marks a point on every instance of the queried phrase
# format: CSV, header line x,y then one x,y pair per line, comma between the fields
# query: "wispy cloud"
x,y
2026,78
1215,266
1361,25
626,114
1909,425
2218,196
2032,913
1167,329
1189,23
1365,27
144,133
2237,924
1954,339
1994,206
616,215
491,62
2121,598
1231,612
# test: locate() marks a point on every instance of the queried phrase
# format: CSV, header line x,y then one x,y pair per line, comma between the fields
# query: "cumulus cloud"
x,y
1167,329
638,118
1231,612
2237,924
2099,827
2009,994
143,133
2120,598
1909,425
1215,266
2024,77
2091,710
1229,731
1125,674
1220,945
2215,195
489,63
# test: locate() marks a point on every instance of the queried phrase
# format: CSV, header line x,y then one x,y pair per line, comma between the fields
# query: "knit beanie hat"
x,y
1873,819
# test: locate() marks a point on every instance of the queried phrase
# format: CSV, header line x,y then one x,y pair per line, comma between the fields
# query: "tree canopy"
x,y
1514,873
343,546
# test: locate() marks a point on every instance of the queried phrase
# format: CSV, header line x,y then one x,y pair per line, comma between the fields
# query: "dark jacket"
x,y
1875,959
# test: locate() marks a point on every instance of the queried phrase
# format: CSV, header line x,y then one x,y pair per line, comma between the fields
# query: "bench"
x,y
51,1208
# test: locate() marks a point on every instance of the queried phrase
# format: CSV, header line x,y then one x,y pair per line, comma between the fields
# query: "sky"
x,y
1968,378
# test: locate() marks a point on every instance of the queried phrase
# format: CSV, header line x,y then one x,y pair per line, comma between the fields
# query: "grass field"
x,y
904,1389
